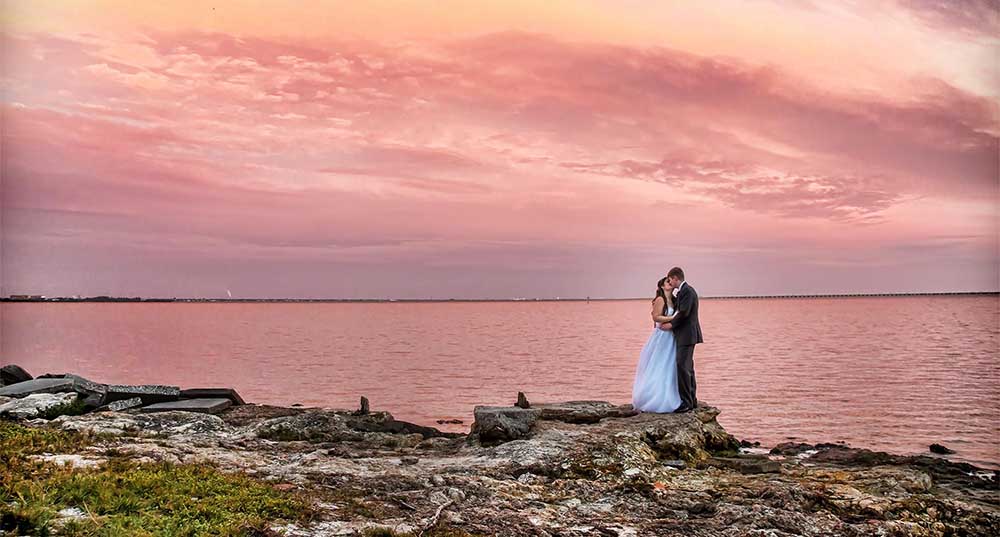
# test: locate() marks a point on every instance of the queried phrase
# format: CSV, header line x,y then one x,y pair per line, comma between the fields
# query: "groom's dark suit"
x,y
687,333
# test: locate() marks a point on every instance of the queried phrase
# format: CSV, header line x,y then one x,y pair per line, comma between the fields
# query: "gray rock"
x,y
149,393
584,411
383,422
753,465
13,374
94,394
161,423
28,387
204,406
213,393
502,424
314,426
123,404
940,450
365,407
36,405
522,401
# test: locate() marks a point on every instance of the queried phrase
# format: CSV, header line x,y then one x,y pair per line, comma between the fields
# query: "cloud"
x,y
217,145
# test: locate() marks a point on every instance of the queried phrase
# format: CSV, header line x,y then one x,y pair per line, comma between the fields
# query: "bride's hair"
x,y
659,291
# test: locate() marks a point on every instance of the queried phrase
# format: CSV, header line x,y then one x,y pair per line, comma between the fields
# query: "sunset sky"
x,y
499,149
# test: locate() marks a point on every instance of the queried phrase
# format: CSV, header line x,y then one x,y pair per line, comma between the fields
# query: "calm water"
x,y
894,374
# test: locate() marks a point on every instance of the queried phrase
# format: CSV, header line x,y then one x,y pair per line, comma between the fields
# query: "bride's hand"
x,y
666,326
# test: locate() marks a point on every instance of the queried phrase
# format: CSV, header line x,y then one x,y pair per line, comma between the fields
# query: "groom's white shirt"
x,y
677,289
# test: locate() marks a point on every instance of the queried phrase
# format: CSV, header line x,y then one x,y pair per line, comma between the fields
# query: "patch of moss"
x,y
75,408
125,498
18,440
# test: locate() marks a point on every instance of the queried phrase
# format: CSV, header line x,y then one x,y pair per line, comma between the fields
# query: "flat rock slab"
x,y
204,406
149,393
36,404
94,394
213,393
28,387
122,404
583,411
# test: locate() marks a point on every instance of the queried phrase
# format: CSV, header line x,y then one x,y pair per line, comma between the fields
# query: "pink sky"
x,y
499,149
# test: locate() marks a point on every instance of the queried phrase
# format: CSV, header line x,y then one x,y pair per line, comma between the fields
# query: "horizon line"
x,y
105,298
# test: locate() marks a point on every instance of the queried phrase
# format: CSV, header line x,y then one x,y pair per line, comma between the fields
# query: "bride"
x,y
655,387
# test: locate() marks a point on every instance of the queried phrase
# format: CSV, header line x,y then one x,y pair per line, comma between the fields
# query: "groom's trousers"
x,y
686,384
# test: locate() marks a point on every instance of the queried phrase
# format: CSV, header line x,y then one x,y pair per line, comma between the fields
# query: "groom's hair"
x,y
676,271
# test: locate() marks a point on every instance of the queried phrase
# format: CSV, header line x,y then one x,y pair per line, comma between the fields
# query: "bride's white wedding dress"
x,y
655,387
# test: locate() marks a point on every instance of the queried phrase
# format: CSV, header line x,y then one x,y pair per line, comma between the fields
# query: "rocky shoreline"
x,y
568,469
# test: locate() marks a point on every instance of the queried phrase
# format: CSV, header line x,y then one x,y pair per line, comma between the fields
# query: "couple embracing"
x,y
664,379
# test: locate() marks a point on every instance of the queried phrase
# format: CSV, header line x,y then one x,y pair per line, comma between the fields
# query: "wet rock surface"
x,y
624,474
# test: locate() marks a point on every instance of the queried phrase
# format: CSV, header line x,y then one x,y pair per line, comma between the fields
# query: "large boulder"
x,y
37,405
12,374
502,423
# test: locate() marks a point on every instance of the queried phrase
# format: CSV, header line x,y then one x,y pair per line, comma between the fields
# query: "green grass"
x,y
125,498
75,408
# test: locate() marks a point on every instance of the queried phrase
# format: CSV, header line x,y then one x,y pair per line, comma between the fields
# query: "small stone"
x,y
365,407
940,450
438,480
71,512
522,401
633,472
456,494
676,464
124,404
408,460
452,421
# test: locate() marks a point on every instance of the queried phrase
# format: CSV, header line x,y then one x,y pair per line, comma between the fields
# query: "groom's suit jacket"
x,y
686,329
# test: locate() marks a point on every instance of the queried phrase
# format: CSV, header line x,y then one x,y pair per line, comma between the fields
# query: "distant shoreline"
x,y
104,299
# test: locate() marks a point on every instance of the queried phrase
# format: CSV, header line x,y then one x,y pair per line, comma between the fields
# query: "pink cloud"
x,y
219,146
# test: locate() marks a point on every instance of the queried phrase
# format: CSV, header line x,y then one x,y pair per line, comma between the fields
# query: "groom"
x,y
687,334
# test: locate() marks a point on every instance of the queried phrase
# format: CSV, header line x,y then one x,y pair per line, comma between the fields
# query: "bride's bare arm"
x,y
657,312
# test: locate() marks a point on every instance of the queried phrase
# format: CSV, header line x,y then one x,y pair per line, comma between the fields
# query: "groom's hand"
x,y
666,326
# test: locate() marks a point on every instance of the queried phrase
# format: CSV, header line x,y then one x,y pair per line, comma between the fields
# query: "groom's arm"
x,y
685,301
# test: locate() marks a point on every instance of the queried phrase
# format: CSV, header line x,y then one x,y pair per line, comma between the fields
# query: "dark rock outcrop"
x,y
940,450
12,374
